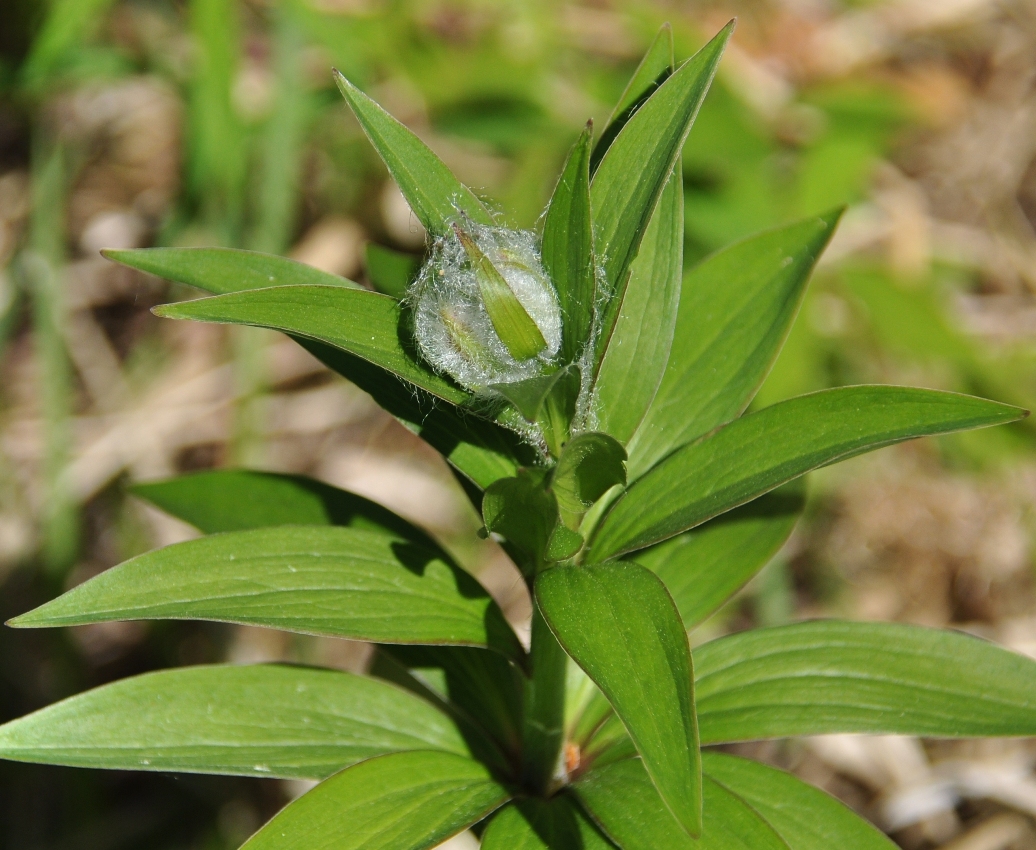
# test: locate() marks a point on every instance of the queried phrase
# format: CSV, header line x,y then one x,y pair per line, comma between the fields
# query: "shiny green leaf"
x,y
568,249
437,198
390,272
630,178
832,676
533,824
401,801
803,816
262,720
241,499
367,324
760,451
634,356
224,270
618,622
653,70
317,580
704,567
621,798
736,308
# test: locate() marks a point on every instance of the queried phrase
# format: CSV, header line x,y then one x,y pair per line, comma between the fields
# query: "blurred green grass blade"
x,y
622,800
220,500
568,249
632,174
342,582
533,824
367,324
434,194
283,139
735,311
391,272
704,567
760,451
42,269
404,800
653,70
831,676
261,720
216,139
67,25
634,357
224,270
618,622
803,816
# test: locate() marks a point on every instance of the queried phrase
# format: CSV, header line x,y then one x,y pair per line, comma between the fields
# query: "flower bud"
x,y
485,311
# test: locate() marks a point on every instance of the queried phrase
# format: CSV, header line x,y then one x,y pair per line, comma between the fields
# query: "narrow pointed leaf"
x,y
704,567
512,323
634,356
241,499
621,798
760,451
528,396
479,449
736,308
223,270
262,720
832,676
620,625
568,249
402,801
803,816
434,194
390,272
630,178
367,324
533,824
653,70
316,580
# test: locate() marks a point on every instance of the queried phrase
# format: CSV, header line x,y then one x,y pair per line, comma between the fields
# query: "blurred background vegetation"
x,y
130,123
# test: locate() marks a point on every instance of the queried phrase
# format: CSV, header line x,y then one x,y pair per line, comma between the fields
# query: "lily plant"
x,y
590,397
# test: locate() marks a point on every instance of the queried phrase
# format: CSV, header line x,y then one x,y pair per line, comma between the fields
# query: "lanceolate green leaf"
x,y
480,450
620,625
317,580
223,270
241,499
434,194
568,249
704,567
758,452
263,720
803,816
621,798
629,180
402,801
832,676
735,311
634,356
367,324
653,70
533,824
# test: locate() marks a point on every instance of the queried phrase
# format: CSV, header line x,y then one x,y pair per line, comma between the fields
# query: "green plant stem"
x,y
544,714
41,266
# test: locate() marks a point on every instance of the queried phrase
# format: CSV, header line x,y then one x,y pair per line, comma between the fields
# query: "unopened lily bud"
x,y
485,312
